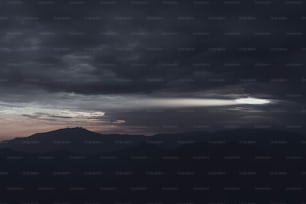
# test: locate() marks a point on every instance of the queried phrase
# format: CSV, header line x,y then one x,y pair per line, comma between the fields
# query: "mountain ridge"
x,y
81,140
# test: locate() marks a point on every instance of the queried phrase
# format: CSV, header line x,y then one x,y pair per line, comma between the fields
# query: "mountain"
x,y
80,140
77,140
245,165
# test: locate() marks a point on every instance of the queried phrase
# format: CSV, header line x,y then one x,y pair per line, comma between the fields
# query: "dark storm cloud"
x,y
124,47
106,55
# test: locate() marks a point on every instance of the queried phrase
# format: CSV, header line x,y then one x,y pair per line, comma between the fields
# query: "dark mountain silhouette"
x,y
79,166
80,140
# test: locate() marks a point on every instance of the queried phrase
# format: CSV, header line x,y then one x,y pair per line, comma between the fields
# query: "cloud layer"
x,y
94,57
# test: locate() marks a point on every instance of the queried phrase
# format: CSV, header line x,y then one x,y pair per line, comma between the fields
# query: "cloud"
x,y
65,115
44,112
115,55
127,57
119,122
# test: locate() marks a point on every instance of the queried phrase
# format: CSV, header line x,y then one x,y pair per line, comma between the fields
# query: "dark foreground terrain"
x,y
78,166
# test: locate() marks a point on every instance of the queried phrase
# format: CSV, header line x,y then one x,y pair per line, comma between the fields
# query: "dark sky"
x,y
148,66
